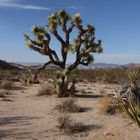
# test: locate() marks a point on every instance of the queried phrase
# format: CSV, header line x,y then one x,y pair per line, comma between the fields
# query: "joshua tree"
x,y
82,46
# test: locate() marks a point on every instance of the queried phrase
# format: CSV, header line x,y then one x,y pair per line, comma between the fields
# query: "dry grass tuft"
x,y
64,121
108,105
66,125
6,85
7,100
46,90
102,92
4,93
25,80
68,105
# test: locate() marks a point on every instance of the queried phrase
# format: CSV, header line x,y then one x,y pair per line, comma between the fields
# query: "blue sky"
x,y
117,24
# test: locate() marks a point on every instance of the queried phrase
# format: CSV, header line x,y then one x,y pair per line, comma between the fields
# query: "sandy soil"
x,y
29,117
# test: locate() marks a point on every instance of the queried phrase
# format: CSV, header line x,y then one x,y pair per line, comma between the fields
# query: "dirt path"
x,y
30,117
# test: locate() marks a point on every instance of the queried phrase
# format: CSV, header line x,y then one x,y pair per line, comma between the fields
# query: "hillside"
x,y
6,65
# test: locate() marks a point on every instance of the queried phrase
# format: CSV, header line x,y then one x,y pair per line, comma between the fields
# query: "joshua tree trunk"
x,y
62,89
67,88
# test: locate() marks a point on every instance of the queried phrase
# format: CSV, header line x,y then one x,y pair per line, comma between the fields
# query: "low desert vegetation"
x,y
133,111
68,126
29,78
26,80
7,100
102,92
102,75
4,93
5,84
132,105
129,96
13,75
64,122
46,89
109,105
68,105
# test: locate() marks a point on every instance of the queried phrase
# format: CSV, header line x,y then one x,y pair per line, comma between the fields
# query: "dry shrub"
x,y
105,75
68,105
102,92
4,94
108,105
25,80
67,125
46,89
64,121
6,85
7,100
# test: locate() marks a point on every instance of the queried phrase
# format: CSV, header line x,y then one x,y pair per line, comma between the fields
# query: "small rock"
x,y
108,134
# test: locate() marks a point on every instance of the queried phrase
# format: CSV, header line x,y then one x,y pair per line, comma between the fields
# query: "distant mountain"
x,y
105,65
102,65
28,63
93,65
6,65
132,65
24,65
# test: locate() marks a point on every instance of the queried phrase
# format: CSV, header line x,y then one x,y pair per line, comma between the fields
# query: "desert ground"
x,y
24,115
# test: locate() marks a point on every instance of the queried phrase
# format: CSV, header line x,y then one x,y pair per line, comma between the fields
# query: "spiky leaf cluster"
x,y
132,111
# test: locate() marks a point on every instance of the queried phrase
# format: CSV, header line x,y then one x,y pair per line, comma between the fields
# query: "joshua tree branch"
x,y
48,37
55,55
85,64
58,37
64,27
70,28
35,48
75,64
58,63
62,43
44,66
78,57
36,43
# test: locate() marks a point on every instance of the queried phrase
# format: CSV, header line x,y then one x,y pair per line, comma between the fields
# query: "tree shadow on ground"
x,y
87,96
86,128
85,109
79,128
15,120
12,131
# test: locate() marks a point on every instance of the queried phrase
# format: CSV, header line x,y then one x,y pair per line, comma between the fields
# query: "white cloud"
x,y
16,4
6,1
